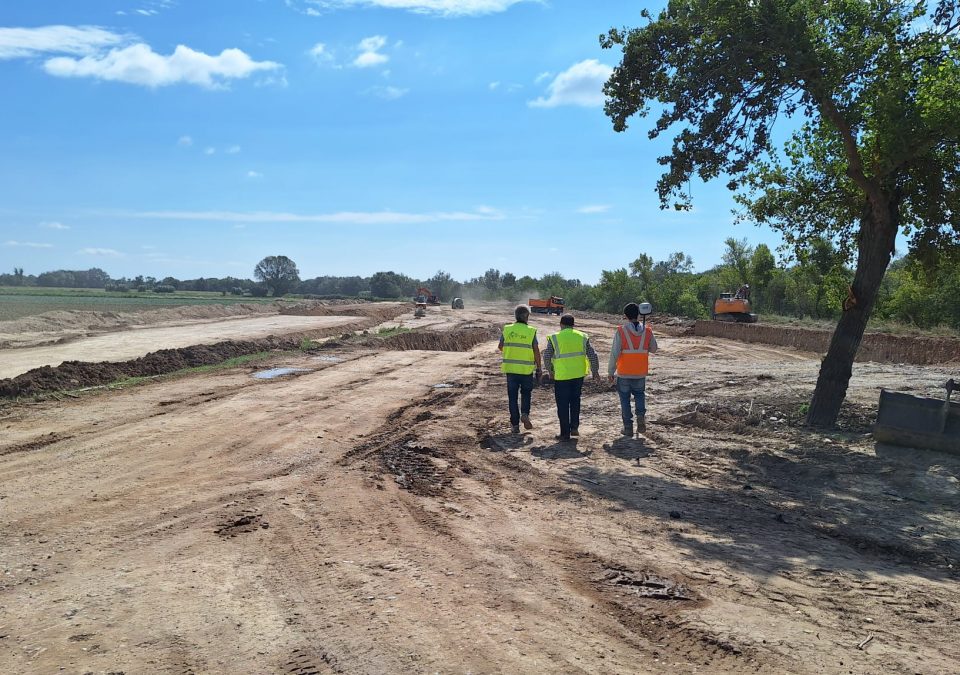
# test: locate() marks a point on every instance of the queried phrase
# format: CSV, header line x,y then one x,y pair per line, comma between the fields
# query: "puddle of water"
x,y
278,372
330,359
443,385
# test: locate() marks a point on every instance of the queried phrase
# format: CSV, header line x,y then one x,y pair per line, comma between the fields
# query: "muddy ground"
x,y
374,514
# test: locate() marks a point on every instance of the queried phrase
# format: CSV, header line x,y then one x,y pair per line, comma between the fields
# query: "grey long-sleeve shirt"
x,y
591,356
617,346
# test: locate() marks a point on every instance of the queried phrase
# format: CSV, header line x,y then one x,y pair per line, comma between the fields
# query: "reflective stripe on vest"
x,y
569,354
634,358
518,349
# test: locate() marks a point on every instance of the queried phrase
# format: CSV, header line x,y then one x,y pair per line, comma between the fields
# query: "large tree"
x,y
874,90
278,273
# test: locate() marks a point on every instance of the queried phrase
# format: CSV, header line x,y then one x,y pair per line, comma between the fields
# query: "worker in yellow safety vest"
x,y
521,364
630,363
567,358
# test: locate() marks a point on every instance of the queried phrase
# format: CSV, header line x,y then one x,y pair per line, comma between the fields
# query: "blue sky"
x,y
189,138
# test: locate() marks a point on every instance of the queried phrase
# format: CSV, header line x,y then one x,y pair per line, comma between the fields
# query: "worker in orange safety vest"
x,y
630,363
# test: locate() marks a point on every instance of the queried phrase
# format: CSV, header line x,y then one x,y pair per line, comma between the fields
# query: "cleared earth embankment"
x,y
877,347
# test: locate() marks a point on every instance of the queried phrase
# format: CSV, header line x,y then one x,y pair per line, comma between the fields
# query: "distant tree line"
x,y
813,284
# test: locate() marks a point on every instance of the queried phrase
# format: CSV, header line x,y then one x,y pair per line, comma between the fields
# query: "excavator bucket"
x,y
915,422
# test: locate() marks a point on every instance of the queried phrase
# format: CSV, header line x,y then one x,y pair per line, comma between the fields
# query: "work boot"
x,y
574,432
641,424
527,424
515,428
628,429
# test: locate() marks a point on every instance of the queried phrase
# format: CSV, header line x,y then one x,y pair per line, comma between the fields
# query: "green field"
x,y
17,302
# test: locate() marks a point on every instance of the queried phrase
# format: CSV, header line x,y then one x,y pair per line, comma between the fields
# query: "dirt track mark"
x,y
248,520
42,442
304,662
659,621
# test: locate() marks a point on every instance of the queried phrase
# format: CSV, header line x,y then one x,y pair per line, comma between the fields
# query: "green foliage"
x,y
163,288
616,289
278,273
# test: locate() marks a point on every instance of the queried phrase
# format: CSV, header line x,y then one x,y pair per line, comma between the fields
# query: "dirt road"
x,y
131,343
374,515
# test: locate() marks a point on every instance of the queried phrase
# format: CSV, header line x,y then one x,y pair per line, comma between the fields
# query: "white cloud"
x,y
101,252
26,244
320,53
310,11
594,208
147,12
493,86
18,43
370,52
580,84
448,8
139,64
233,150
341,217
209,151
54,226
185,141
388,93
254,174
546,75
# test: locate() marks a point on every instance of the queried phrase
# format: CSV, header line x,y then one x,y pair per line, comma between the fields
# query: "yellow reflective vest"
x,y
569,354
518,341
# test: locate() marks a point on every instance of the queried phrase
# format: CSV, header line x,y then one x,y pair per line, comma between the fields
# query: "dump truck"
x,y
918,422
552,305
734,307
425,296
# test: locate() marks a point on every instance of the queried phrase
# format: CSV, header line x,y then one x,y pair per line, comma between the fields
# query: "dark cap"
x,y
566,320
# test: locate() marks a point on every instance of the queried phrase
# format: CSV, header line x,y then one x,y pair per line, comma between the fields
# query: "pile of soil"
x,y
61,326
877,347
457,340
79,374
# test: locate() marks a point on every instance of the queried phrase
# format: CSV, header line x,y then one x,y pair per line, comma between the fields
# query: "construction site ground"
x,y
372,513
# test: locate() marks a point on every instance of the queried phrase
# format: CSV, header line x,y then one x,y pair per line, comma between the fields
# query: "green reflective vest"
x,y
518,341
569,354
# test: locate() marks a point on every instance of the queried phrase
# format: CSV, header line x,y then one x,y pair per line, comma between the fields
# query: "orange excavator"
x,y
734,307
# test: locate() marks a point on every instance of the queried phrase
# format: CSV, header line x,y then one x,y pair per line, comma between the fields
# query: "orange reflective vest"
x,y
634,359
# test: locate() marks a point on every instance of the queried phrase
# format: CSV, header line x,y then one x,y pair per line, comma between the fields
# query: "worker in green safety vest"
x,y
521,364
568,357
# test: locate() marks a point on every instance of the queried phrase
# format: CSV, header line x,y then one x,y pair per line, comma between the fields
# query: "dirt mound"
x,y
61,326
460,340
766,414
79,374
457,340
877,347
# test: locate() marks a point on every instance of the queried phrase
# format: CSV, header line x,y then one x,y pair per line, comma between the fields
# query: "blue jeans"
x,y
636,386
567,393
523,385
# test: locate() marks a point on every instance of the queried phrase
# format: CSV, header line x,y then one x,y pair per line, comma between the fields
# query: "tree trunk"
x,y
878,232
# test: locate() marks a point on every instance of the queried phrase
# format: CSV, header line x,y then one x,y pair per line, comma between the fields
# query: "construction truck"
x,y
456,303
552,305
425,296
734,307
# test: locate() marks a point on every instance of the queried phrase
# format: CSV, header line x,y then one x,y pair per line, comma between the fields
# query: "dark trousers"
x,y
567,393
523,385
